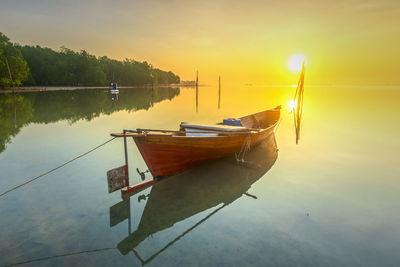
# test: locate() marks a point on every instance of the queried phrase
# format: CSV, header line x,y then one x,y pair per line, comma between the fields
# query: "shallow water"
x,y
330,200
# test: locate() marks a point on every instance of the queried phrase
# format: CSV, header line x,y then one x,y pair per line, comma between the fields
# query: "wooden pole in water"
x,y
219,91
197,91
297,113
126,156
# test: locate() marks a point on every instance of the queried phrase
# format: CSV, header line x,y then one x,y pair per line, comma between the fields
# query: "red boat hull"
x,y
168,155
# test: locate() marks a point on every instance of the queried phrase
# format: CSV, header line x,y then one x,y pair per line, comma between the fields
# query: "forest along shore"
x,y
26,66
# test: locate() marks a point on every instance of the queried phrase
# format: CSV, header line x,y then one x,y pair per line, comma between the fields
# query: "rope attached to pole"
x,y
56,168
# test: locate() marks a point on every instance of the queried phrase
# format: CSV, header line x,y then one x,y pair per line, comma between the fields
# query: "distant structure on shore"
x,y
191,83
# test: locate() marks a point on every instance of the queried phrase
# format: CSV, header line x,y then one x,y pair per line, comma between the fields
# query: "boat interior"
x,y
248,124
253,122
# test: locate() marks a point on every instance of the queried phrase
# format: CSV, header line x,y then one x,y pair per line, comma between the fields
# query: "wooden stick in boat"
x,y
144,132
245,130
135,134
126,134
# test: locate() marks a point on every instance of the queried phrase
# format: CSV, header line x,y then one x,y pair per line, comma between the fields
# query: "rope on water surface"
x,y
56,168
59,256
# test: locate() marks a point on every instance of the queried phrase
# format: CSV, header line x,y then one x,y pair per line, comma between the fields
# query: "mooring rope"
x,y
277,125
56,168
245,147
60,256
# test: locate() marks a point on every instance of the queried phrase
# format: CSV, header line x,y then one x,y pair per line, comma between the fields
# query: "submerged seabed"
x,y
331,200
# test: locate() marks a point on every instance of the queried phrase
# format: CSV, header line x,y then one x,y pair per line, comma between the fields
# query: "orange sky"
x,y
344,42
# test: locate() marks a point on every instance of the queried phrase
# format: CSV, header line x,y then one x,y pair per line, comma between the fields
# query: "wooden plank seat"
x,y
213,127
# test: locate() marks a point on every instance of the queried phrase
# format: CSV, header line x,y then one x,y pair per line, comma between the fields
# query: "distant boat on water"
x,y
114,91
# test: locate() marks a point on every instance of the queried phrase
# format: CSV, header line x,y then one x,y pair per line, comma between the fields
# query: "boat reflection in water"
x,y
174,199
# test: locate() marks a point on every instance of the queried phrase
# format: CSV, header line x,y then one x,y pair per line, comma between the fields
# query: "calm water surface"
x,y
331,200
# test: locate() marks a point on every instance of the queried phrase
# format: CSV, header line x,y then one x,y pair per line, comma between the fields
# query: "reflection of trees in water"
x,y
15,112
88,104
52,106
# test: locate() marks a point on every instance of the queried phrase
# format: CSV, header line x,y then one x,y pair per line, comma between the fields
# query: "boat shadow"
x,y
181,196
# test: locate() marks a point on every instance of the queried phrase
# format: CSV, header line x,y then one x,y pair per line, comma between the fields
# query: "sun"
x,y
296,62
292,105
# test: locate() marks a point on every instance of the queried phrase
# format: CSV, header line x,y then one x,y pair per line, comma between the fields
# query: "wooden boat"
x,y
210,188
169,152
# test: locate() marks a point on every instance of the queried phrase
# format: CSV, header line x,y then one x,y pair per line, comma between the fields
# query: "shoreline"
x,y
70,88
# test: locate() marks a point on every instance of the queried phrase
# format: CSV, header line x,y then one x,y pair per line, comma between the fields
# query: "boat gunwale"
x,y
224,134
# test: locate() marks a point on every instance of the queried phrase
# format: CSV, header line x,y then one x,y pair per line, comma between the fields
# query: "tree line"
x,y
41,66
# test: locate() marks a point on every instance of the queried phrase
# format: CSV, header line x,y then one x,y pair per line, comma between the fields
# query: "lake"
x,y
331,200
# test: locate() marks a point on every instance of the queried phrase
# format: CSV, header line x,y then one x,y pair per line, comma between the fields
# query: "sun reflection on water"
x,y
292,104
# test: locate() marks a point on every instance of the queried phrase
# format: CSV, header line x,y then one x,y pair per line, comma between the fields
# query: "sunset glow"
x,y
292,105
296,62
242,42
